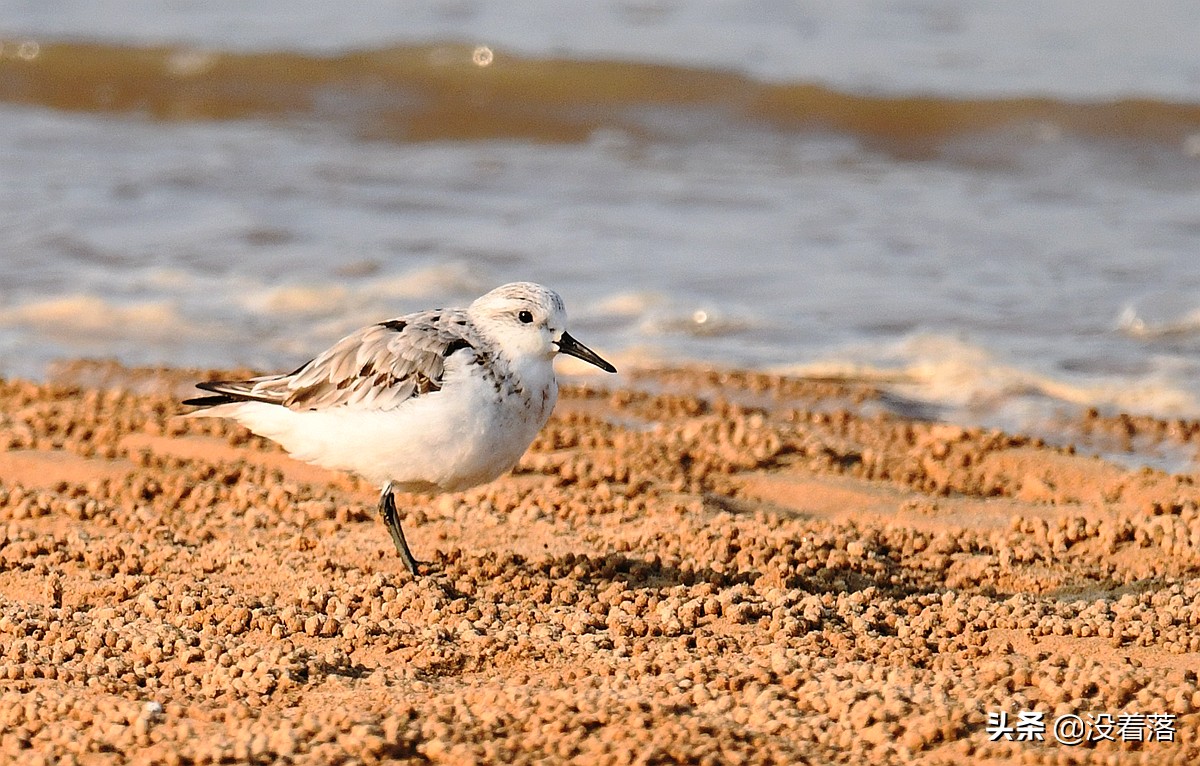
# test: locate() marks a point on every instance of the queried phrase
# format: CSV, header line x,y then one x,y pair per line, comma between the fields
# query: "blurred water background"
x,y
993,207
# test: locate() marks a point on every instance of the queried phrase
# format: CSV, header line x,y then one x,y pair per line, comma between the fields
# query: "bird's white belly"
x,y
464,435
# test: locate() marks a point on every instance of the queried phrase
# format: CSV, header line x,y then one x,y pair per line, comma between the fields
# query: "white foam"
x,y
977,386
700,322
297,300
371,297
82,320
627,304
1134,324
454,278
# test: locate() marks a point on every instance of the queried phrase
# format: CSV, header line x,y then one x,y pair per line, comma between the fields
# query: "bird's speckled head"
x,y
527,320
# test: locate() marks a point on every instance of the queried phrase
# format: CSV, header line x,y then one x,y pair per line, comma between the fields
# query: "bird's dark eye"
x,y
526,317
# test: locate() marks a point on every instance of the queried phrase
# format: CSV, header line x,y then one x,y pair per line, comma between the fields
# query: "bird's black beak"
x,y
572,347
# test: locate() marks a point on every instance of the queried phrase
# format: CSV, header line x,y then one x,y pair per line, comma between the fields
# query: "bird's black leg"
x,y
387,509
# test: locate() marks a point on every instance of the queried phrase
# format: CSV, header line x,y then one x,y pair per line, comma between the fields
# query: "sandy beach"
x,y
690,567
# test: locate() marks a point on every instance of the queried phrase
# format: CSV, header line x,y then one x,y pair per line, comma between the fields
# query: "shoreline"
x,y
730,567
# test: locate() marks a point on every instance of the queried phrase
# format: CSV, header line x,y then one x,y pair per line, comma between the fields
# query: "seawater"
x,y
1003,231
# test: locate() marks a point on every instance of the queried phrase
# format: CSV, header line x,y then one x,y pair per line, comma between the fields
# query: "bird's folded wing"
x,y
378,367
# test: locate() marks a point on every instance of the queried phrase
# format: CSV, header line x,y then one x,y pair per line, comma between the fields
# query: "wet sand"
x,y
701,567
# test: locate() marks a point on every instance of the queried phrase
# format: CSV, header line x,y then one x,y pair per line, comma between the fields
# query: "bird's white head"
x,y
528,320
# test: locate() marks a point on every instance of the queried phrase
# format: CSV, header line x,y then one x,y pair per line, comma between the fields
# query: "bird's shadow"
x,y
447,568
450,573
650,573
446,571
635,572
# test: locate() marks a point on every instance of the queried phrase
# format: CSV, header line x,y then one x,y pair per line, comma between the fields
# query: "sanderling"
x,y
436,401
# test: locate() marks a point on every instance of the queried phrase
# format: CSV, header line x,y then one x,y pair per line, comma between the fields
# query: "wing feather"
x,y
378,367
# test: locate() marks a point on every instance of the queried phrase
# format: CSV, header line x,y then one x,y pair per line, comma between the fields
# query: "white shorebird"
x,y
436,401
